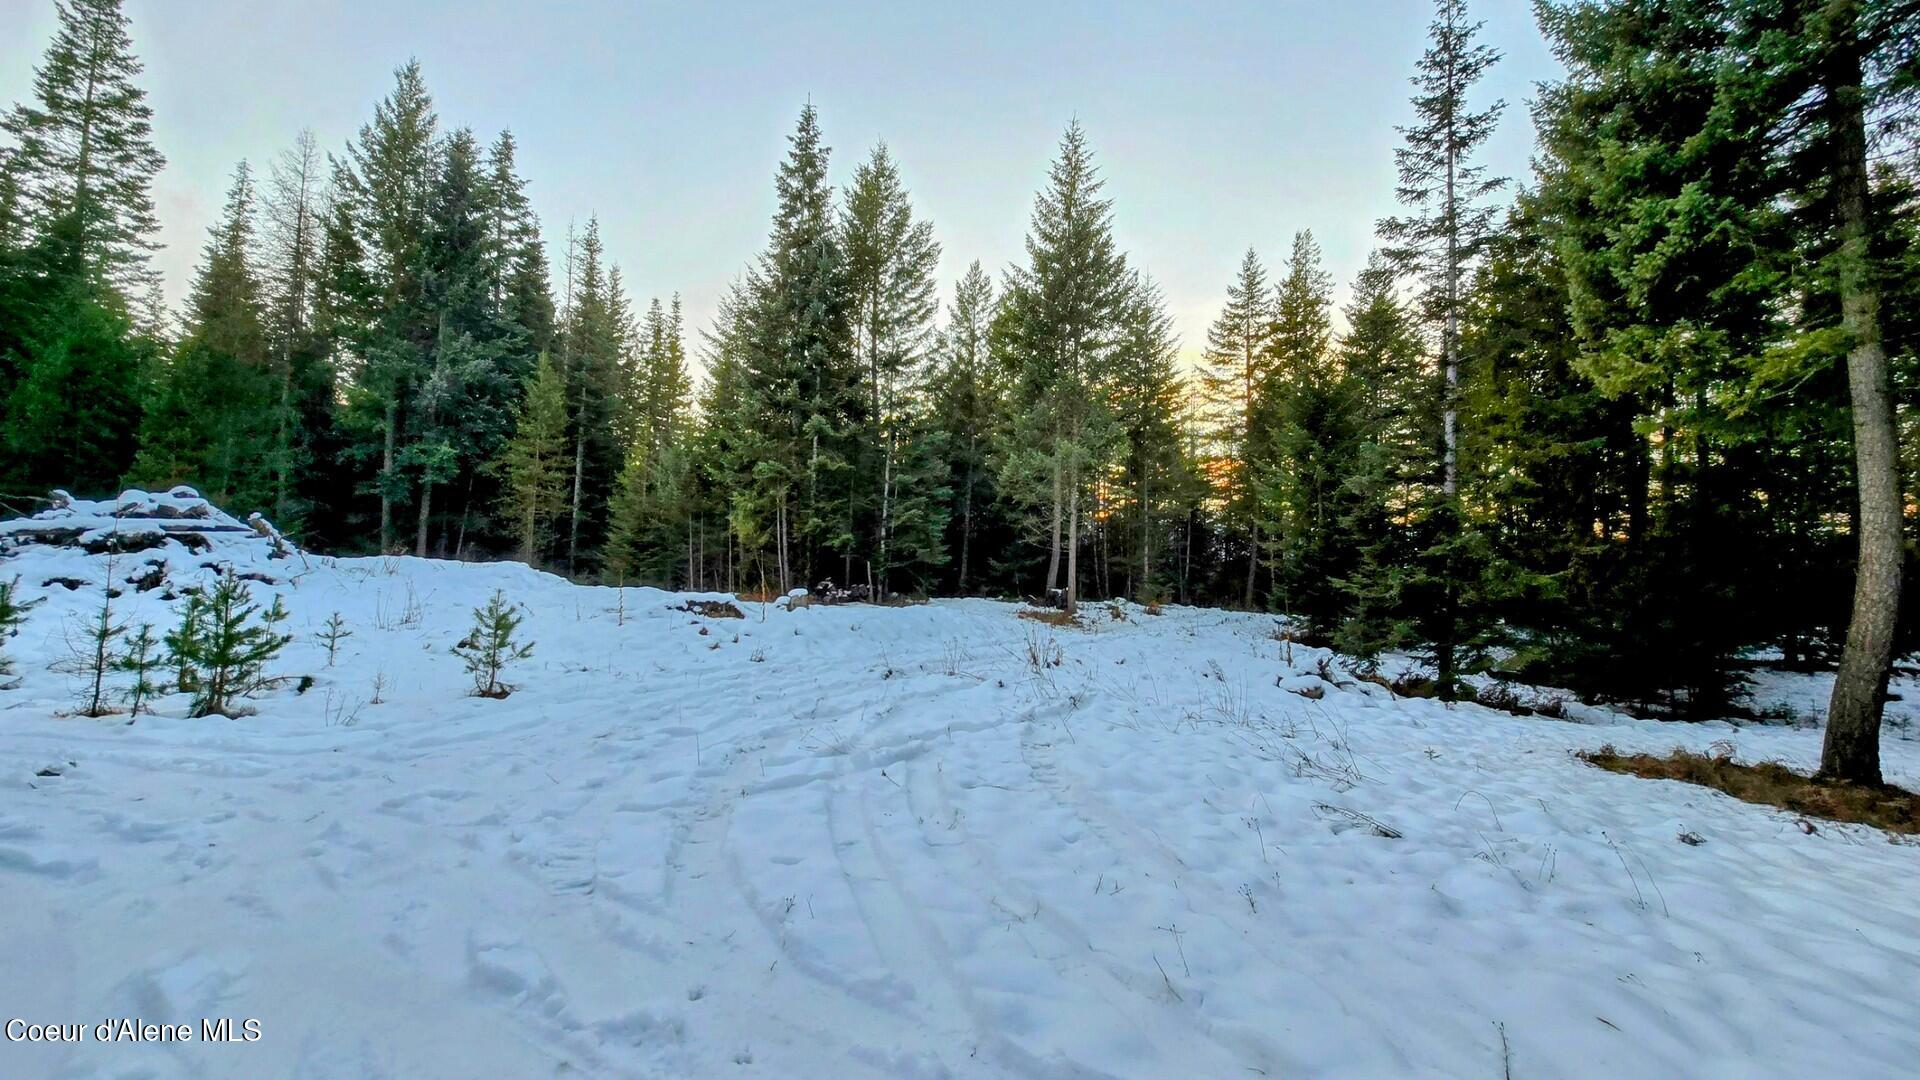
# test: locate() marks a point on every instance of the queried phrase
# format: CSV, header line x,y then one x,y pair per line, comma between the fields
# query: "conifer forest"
x,y
1635,431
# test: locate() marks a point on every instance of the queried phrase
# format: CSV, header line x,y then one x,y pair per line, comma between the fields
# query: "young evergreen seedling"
x,y
142,659
332,634
224,645
489,647
91,655
13,612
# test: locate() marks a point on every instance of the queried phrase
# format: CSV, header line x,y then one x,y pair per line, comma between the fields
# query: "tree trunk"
x,y
1146,541
966,521
386,474
1852,748
1253,561
1073,548
1053,545
426,515
579,477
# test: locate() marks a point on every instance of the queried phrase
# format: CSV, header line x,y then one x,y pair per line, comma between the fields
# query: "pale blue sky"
x,y
1217,125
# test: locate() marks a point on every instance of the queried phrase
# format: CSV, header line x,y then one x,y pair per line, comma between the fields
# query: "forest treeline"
x,y
1612,426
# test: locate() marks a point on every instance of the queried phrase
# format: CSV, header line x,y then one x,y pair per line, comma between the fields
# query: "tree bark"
x,y
426,515
1851,751
1073,548
386,474
1053,545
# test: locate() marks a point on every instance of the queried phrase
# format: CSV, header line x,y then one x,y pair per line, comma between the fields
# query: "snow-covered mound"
x,y
849,841
142,539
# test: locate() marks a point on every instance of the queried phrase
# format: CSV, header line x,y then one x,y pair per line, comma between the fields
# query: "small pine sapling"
x,y
183,644
90,656
229,650
489,647
141,659
13,612
332,634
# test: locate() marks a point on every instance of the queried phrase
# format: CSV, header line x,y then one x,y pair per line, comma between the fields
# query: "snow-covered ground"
x,y
897,842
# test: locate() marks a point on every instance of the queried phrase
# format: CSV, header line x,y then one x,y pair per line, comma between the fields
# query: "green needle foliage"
x,y
143,660
489,647
223,646
13,612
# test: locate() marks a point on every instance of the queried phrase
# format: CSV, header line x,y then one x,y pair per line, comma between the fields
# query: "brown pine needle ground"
x,y
1770,783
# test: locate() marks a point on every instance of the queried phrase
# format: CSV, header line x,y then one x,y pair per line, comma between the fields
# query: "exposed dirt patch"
x,y
1770,783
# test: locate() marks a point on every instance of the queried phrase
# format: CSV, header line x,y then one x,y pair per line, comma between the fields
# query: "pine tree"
x,y
13,612
1145,389
331,634
141,659
890,263
1398,417
289,263
1315,429
1439,241
384,189
1233,385
91,653
799,375
223,645
84,160
594,345
1727,249
534,466
212,422
967,396
1060,320
489,647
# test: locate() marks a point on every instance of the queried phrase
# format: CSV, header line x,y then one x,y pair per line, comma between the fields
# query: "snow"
x,y
858,841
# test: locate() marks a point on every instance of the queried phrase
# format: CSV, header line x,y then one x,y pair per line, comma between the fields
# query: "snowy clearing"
x,y
897,842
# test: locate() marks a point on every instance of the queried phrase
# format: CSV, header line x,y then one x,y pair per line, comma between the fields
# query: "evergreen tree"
x,y
384,189
72,412
290,264
141,658
212,421
489,647
890,263
91,653
1398,417
223,646
800,376
1438,241
1708,179
968,401
1315,430
594,350
534,465
13,612
1233,384
83,159
1060,320
1145,389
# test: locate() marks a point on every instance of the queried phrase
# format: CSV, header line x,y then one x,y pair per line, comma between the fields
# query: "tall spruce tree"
x,y
533,468
594,350
968,404
801,375
1145,388
212,420
1060,321
1445,190
1315,432
291,236
386,187
1233,385
83,159
892,295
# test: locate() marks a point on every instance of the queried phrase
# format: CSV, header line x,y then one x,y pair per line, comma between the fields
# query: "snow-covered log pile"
x,y
153,538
